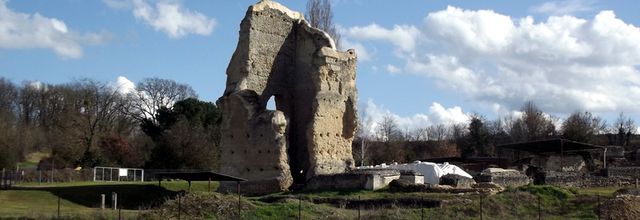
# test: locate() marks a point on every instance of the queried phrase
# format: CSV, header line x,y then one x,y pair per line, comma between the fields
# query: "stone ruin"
x,y
279,55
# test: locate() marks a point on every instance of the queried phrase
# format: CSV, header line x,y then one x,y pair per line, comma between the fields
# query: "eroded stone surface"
x,y
310,133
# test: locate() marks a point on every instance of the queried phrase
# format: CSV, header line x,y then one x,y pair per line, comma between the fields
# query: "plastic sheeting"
x,y
431,171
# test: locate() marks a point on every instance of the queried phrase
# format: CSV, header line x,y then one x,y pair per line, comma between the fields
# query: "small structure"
x,y
199,176
118,174
431,172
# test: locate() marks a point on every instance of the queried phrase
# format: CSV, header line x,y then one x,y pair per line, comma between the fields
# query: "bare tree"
x,y
8,95
438,132
97,114
388,129
623,128
152,94
320,16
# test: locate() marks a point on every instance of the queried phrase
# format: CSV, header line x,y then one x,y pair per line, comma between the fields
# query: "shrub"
x,y
201,205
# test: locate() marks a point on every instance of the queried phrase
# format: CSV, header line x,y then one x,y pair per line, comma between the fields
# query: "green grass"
x,y
80,200
32,159
601,191
83,198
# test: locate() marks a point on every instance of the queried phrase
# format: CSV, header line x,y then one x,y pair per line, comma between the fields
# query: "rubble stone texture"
x,y
310,133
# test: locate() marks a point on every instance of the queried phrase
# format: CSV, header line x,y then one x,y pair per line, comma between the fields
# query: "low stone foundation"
x,y
504,177
456,181
632,172
581,180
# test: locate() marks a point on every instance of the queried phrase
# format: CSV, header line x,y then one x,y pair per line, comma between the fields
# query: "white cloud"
x,y
437,114
403,36
29,31
361,51
123,85
393,69
167,16
562,64
567,7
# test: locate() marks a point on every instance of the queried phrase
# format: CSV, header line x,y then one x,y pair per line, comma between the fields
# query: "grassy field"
x,y
80,200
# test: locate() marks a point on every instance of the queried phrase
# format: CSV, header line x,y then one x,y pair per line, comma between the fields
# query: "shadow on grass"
x,y
133,196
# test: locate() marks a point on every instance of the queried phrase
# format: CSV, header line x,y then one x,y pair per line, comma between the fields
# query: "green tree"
x,y
479,137
187,135
582,127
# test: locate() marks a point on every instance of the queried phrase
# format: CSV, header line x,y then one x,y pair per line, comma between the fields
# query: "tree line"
x,y
86,123
479,136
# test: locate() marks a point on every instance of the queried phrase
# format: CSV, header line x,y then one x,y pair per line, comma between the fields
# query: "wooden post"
x,y
604,159
422,208
561,155
58,206
480,206
238,190
53,166
598,210
209,185
359,206
300,207
539,209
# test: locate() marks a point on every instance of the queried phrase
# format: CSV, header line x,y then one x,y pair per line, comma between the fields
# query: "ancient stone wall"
x,y
310,133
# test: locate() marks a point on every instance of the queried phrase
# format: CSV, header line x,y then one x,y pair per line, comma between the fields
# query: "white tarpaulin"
x,y
122,172
431,171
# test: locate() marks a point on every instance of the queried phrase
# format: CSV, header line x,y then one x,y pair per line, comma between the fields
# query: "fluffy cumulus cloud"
x,y
167,16
28,31
123,85
402,36
436,114
563,63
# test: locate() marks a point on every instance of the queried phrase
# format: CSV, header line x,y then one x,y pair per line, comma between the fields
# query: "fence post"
x,y
359,207
102,201
239,198
58,206
598,210
114,200
300,207
480,206
539,208
422,208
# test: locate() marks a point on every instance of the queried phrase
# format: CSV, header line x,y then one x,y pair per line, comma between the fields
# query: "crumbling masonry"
x,y
279,55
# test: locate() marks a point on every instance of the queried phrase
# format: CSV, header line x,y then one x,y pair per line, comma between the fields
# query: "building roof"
x,y
198,176
557,145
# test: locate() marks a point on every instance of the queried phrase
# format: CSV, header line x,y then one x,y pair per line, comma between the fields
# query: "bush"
x,y
200,205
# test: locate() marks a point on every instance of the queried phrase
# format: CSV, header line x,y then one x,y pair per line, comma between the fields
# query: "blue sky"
x,y
423,62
